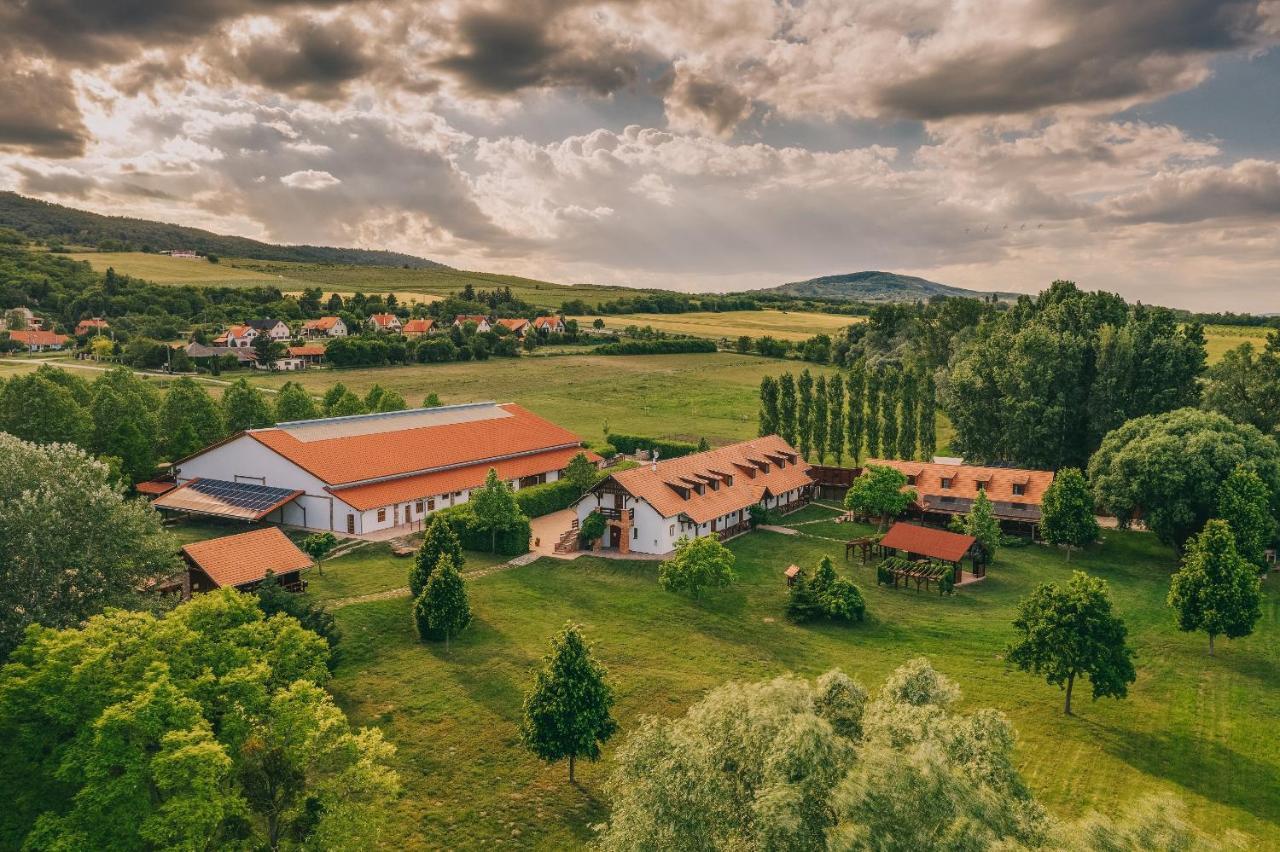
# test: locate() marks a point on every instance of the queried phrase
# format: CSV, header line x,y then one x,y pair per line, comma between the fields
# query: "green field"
x,y
1220,338
1199,727
729,325
162,269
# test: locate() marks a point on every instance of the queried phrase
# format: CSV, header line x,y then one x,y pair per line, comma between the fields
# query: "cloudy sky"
x,y
1131,145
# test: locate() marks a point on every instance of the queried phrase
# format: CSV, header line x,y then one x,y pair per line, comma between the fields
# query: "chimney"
x,y
654,466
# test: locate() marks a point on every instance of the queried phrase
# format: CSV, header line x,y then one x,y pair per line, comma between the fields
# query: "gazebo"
x,y
917,542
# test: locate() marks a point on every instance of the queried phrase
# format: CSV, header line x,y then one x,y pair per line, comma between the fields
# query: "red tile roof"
x,y
384,319
418,326
440,482
516,324
310,350
246,558
322,324
155,487
925,541
394,452
549,322
965,478
744,462
38,338
86,325
462,319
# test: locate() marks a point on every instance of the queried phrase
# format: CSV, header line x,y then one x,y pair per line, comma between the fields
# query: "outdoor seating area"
x,y
896,569
922,555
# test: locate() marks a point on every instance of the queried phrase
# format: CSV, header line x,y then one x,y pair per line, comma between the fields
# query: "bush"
x,y
462,519
549,497
607,451
825,595
666,449
656,347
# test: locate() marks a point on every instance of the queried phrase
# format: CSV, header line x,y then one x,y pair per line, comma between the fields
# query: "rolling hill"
x,y
53,223
876,287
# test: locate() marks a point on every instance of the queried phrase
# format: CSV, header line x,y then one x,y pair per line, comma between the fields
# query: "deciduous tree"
x,y
889,395
928,429
442,610
495,508
787,408
697,563
1245,385
244,407
880,490
294,403
1067,517
190,419
1216,591
567,710
856,384
820,419
36,409
1245,504
580,473
981,523
872,418
804,412
908,391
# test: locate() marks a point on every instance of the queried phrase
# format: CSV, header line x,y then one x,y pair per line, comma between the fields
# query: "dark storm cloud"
x,y
720,105
38,113
309,59
70,184
501,52
1249,189
1109,51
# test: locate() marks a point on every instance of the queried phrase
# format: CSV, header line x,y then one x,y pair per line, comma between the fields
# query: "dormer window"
x,y
728,480
948,481
1019,489
911,479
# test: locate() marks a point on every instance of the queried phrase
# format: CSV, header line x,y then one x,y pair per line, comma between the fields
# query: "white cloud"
x,y
310,179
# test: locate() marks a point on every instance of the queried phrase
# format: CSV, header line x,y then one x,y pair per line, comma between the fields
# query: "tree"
x,y
439,540
390,401
36,409
928,428
820,417
57,579
1170,468
318,546
267,350
294,403
787,408
274,598
889,412
1067,518
856,384
190,419
442,610
981,523
331,397
804,412
872,418
346,405
1065,633
907,428
566,712
432,400
1216,590
580,473
1246,387
593,527
495,508
697,563
205,727
835,429
244,407
1245,504
825,595
768,406
880,490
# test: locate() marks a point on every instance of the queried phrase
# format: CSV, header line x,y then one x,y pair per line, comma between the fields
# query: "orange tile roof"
x,y
965,478
462,319
400,452
925,541
38,338
237,331
750,482
539,322
384,319
418,326
322,324
93,322
234,560
440,482
155,487
515,324
308,350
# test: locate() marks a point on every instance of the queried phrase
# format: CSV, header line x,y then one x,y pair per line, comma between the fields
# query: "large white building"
x,y
649,508
361,474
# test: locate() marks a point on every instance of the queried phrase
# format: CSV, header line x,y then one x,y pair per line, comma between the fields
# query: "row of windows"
x,y
948,482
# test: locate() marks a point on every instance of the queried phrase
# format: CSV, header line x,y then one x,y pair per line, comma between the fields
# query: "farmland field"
x,y
1199,727
1219,338
162,269
785,325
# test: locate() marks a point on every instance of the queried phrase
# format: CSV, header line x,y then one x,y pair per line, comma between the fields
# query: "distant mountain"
x,y
876,287
40,220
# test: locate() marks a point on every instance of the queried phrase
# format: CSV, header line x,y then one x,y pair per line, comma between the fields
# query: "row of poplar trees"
x,y
888,410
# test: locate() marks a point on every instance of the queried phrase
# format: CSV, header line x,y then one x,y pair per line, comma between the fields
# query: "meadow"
x,y
1199,727
729,325
1219,338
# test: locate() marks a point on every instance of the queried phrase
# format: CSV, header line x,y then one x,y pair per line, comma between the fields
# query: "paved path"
x,y
777,529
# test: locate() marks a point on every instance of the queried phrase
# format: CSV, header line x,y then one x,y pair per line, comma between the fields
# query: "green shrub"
x,y
537,500
656,347
462,519
666,449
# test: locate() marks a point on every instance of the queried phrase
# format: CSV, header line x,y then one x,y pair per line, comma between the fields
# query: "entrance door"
x,y
351,524
615,536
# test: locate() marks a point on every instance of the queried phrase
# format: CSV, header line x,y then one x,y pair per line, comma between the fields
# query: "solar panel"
x,y
229,499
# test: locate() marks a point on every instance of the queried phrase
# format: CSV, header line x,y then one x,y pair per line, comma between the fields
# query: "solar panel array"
x,y
241,495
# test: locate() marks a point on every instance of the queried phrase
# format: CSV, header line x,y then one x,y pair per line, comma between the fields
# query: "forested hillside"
x,y
53,223
874,286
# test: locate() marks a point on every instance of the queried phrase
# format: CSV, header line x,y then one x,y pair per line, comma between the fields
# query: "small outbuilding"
x,y
242,562
917,542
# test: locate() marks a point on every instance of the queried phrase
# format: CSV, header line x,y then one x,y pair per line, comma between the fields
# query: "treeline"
x,y
669,346
888,410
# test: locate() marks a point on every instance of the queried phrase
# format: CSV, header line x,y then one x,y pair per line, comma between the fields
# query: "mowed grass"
x,y
730,325
162,269
1199,727
371,568
1218,339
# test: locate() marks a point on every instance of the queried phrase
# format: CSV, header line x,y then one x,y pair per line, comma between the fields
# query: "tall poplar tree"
x,y
928,428
804,412
856,384
768,406
835,414
889,413
872,416
787,408
820,419
907,429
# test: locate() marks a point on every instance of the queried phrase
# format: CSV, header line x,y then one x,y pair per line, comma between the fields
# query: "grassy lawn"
x,y
162,269
1219,338
1202,728
785,325
373,568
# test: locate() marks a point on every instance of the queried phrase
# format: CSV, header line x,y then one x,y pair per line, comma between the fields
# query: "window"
x,y
672,531
431,504
911,479
635,533
351,524
382,515
417,507
947,481
982,486
1019,489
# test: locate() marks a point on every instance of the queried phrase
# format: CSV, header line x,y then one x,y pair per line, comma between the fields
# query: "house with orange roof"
x,y
308,353
385,322
481,322
91,325
238,336
324,327
242,561
369,473
648,509
516,325
39,341
418,327
548,325
945,488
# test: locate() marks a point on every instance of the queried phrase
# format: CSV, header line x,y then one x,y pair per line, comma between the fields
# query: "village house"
x,y
39,341
310,353
325,327
242,561
517,326
418,327
371,472
27,321
549,325
385,322
649,508
275,329
202,354
948,487
481,322
236,337
91,325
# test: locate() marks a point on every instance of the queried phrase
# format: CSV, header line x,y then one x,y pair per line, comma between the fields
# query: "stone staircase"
x,y
568,542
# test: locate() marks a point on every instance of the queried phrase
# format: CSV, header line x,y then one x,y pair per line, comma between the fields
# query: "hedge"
x,y
538,500
656,347
666,449
463,520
